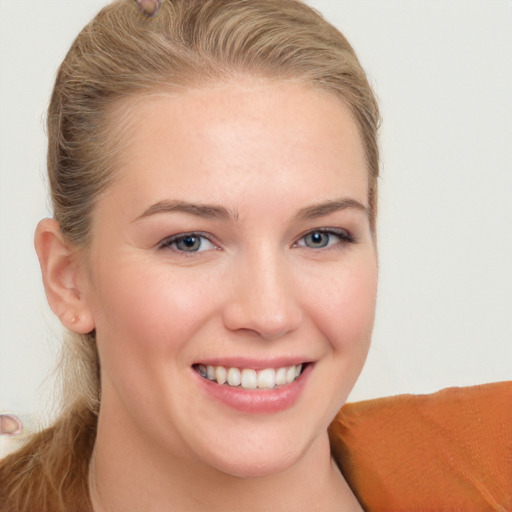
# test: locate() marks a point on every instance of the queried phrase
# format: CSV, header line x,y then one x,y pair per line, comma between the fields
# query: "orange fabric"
x,y
450,451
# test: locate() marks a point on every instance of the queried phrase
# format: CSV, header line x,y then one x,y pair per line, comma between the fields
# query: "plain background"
x,y
442,71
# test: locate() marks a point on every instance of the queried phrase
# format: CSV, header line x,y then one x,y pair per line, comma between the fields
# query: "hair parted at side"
x,y
120,55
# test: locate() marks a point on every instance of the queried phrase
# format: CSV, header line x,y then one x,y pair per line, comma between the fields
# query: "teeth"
x,y
221,374
250,379
267,378
234,377
281,377
290,374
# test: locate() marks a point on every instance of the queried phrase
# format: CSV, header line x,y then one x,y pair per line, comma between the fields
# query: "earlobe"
x,y
60,270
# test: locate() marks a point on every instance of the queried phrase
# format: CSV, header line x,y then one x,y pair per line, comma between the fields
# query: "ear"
x,y
60,267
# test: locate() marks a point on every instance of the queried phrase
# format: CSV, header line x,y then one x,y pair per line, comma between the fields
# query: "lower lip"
x,y
263,401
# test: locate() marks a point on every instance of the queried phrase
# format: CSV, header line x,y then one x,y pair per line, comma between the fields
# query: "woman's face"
x,y
234,243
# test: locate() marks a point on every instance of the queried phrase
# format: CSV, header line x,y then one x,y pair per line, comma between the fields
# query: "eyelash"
x,y
168,242
344,238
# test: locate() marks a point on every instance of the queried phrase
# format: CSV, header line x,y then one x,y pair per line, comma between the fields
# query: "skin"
x,y
10,425
265,153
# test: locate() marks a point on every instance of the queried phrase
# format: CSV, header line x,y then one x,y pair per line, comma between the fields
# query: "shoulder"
x,y
451,450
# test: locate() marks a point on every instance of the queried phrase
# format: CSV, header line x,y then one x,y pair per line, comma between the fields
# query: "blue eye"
x,y
317,240
189,242
324,238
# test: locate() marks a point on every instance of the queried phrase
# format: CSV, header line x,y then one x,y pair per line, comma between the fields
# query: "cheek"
x,y
346,309
343,311
149,313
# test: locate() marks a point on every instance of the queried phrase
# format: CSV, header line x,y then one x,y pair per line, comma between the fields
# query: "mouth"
x,y
249,378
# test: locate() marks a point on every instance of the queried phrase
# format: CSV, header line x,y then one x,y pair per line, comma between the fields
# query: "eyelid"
x,y
345,236
167,242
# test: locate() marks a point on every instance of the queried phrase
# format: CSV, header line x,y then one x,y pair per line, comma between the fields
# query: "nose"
x,y
263,298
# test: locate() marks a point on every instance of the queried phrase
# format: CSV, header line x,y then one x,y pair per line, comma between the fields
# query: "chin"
x,y
258,455
247,466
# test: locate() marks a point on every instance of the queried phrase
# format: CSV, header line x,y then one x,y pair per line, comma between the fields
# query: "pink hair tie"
x,y
149,8
10,425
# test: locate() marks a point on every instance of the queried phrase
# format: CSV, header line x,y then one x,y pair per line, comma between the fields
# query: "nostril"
x,y
262,322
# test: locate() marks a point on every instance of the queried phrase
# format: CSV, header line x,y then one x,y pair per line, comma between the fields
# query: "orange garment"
x,y
450,451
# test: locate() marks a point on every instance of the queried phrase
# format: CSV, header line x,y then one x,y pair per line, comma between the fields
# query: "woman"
x,y
213,169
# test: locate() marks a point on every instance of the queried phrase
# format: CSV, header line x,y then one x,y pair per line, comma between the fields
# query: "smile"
x,y
248,378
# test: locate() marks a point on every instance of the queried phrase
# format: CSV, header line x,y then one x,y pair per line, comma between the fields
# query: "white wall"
x,y
442,70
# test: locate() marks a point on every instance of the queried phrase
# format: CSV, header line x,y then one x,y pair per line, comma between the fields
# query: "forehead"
x,y
240,137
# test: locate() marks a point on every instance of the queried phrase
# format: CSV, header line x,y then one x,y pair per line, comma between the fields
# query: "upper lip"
x,y
255,364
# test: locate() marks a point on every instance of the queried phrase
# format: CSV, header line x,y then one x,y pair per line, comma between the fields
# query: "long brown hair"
x,y
123,54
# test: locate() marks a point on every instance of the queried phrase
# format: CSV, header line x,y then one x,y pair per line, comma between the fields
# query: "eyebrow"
x,y
327,207
211,211
205,211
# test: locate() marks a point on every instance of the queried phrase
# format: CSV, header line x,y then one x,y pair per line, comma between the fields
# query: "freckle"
x,y
10,425
149,8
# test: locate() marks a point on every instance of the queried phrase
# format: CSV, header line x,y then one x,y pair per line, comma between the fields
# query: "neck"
x,y
128,473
